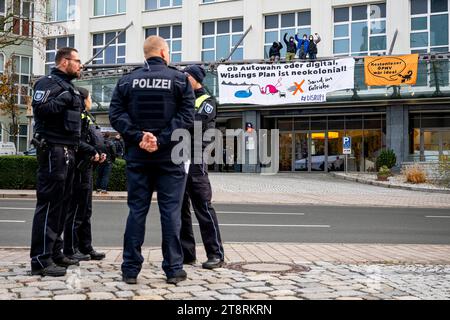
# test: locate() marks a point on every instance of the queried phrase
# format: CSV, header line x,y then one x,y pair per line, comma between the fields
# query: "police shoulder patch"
x,y
208,108
39,95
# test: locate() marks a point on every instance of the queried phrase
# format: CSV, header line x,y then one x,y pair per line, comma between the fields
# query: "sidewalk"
x,y
253,271
295,189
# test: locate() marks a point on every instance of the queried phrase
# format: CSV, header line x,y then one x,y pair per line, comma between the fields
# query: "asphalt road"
x,y
258,223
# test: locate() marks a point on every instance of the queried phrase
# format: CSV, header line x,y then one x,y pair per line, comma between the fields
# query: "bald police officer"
x,y
147,106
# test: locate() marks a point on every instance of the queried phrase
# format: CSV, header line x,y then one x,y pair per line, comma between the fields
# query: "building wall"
x,y
193,13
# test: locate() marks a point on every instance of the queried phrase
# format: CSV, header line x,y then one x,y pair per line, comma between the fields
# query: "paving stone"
x,y
287,298
281,293
35,294
177,296
150,297
124,294
150,292
259,289
70,297
180,289
227,297
218,286
100,296
254,296
248,284
8,296
232,291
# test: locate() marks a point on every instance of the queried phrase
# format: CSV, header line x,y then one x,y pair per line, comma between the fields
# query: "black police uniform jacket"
x,y
154,98
57,109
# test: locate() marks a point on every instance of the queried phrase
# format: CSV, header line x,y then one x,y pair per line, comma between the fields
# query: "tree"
x,y
19,24
9,92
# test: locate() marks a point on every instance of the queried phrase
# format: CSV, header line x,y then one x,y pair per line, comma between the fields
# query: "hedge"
x,y
19,173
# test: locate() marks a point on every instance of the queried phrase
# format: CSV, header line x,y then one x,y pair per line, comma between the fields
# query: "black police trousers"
x,y
169,181
54,189
77,231
198,191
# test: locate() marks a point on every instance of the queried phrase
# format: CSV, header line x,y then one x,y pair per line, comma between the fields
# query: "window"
x,y
430,33
277,25
109,7
61,10
2,63
219,38
429,26
360,30
172,34
23,13
22,138
22,76
115,53
162,4
52,46
2,7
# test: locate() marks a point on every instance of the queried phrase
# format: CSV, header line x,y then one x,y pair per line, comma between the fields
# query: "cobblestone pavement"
x,y
296,189
313,271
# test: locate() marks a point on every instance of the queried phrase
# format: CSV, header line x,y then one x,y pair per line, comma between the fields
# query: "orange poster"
x,y
385,71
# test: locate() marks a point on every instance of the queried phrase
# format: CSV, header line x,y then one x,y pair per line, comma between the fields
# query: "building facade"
x,y
19,26
414,121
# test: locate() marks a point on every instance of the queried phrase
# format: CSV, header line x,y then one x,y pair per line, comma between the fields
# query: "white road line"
x,y
264,213
438,217
21,209
272,225
12,221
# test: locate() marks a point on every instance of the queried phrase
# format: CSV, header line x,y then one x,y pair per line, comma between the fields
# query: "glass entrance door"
x,y
285,151
318,157
301,152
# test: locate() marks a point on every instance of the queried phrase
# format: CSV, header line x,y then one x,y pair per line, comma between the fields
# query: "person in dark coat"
x,y
274,52
291,47
312,49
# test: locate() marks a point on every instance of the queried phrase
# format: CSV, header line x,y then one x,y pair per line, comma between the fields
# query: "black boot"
x,y
51,271
66,262
178,277
213,263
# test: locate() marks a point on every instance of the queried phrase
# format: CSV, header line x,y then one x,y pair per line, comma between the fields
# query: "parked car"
x,y
30,152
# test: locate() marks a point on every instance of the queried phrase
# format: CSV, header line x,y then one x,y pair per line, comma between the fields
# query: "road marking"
x,y
272,225
438,217
21,209
265,213
12,221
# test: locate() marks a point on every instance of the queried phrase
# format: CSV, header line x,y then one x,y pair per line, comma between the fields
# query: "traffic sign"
x,y
347,145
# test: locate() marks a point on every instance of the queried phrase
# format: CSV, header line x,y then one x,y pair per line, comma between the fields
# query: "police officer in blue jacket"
x,y
198,187
147,106
57,113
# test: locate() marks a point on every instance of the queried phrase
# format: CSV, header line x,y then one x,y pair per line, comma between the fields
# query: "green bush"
x,y
384,171
19,173
386,158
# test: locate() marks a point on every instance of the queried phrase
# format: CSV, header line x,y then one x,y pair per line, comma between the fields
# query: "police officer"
x,y
77,232
57,111
198,187
147,106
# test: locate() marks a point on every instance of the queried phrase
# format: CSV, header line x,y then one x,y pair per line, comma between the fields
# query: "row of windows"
x,y
22,67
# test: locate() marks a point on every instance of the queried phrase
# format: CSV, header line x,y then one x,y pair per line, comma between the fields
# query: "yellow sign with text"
x,y
385,71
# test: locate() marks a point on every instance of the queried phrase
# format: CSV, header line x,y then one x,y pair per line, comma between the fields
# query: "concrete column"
x,y
397,123
253,16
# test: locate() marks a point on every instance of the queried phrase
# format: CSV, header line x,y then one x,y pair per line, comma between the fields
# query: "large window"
x,y
23,14
162,4
429,26
360,30
109,7
172,34
52,46
279,24
115,53
22,138
22,76
61,10
219,37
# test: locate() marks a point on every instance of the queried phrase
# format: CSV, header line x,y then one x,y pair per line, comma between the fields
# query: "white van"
x,y
7,149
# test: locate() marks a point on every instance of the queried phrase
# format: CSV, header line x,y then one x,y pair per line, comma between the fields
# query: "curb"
x,y
389,186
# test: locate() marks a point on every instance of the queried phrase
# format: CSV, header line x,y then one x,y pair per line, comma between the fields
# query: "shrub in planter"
x,y
386,158
384,173
415,174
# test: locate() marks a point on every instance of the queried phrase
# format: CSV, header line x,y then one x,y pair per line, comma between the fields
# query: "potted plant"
x,y
384,173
